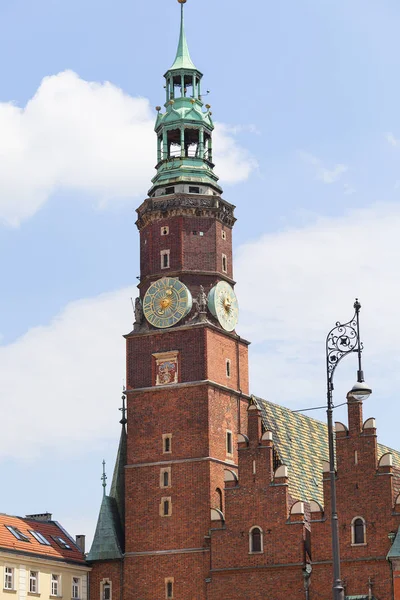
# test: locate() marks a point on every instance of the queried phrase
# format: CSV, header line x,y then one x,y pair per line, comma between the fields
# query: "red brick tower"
x,y
187,369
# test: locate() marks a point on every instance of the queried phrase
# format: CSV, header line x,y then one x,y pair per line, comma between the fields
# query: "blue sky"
x,y
306,100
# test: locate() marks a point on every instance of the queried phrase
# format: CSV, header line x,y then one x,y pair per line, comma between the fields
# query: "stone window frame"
x,y
163,471
353,532
251,532
103,583
229,442
223,234
169,585
164,230
228,368
164,253
224,263
167,436
162,507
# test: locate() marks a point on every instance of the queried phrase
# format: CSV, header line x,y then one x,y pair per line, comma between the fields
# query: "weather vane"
x,y
104,478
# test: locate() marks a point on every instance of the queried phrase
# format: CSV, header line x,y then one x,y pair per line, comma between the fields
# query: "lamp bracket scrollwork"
x,y
342,340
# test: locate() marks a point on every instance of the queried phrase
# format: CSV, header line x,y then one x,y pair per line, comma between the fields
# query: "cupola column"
x,y
201,143
165,144
182,141
194,85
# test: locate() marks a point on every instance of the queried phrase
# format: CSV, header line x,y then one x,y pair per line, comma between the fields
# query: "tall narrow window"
x,y
169,588
229,443
219,497
223,234
165,259
358,531
33,582
165,507
165,477
76,588
167,443
224,264
165,230
8,578
55,585
228,367
106,590
255,540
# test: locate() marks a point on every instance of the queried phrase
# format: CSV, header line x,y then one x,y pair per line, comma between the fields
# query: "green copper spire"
x,y
184,131
182,59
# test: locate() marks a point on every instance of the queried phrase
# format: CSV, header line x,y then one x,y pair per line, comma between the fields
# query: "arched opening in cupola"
x,y
192,142
173,143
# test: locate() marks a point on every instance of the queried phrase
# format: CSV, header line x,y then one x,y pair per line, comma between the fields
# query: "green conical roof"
x,y
182,59
106,541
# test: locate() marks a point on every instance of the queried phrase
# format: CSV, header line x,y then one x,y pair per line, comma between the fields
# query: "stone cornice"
x,y
176,205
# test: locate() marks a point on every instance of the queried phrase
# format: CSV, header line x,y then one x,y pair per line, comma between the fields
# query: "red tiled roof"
x,y
47,528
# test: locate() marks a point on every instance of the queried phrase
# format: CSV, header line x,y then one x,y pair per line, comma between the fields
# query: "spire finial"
x,y
104,478
123,421
182,59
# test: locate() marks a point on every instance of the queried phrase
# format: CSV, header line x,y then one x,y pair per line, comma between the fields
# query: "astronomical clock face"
x,y
166,302
223,304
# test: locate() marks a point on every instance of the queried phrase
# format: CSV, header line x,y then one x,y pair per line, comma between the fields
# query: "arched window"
x,y
255,540
358,531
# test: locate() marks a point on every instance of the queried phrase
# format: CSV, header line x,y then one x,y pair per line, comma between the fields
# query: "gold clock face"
x,y
166,302
223,304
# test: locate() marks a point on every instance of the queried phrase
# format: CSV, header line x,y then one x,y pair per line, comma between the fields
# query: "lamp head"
x,y
360,391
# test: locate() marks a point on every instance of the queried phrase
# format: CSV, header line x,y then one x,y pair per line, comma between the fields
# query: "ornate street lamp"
x,y
342,340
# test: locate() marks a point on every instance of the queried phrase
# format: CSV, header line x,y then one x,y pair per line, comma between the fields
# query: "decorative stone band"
x,y
154,209
182,460
162,552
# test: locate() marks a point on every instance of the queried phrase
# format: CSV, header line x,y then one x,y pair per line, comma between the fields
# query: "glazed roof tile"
x,y
8,542
301,443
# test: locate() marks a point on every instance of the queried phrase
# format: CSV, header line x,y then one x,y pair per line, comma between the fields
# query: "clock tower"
x,y
187,368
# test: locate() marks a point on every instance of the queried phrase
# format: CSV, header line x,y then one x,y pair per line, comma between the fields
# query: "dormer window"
x,y
18,534
61,542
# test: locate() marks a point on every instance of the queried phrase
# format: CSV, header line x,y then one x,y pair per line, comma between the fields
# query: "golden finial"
x,y
182,1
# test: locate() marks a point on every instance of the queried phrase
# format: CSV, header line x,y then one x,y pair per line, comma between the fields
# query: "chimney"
x,y
40,517
80,542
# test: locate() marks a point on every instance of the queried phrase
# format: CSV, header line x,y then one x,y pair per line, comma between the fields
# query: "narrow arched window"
x,y
219,497
358,531
255,540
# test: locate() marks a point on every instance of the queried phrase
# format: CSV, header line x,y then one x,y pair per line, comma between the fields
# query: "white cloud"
x,y
324,174
391,139
61,383
86,136
306,279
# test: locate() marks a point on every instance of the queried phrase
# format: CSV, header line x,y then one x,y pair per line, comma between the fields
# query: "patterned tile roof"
x,y
48,529
301,443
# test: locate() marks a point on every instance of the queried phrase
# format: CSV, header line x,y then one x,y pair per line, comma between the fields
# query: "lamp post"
x,y
342,340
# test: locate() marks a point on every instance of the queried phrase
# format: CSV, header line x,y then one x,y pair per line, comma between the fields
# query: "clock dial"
x,y
166,302
223,304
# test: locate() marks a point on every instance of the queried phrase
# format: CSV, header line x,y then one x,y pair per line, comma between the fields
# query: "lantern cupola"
x,y
184,130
